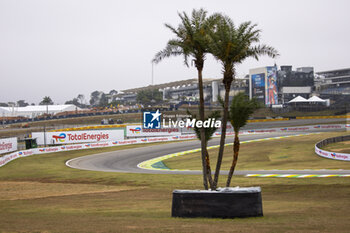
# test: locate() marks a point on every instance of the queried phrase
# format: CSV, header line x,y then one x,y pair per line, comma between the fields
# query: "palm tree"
x,y
46,101
240,109
231,45
192,41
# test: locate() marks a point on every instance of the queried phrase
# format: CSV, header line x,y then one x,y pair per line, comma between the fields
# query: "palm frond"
x,y
241,109
168,51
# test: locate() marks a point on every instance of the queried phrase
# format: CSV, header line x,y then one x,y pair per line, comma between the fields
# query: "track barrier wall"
x,y
24,153
330,154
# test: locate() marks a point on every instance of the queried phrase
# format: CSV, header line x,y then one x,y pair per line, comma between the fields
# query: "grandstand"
x,y
334,85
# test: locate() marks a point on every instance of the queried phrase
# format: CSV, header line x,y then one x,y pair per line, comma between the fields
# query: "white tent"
x,y
4,111
33,111
298,99
316,99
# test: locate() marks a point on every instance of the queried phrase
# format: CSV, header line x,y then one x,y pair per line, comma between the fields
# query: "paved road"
x,y
127,160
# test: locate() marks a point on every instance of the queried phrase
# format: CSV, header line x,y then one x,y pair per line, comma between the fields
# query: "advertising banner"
x,y
8,145
258,86
332,155
271,87
9,157
68,137
138,131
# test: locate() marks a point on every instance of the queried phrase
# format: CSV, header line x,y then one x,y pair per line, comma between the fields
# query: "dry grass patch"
x,y
16,190
340,147
286,153
314,205
71,200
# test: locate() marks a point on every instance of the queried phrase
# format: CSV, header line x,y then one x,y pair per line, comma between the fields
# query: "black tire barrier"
x,y
212,204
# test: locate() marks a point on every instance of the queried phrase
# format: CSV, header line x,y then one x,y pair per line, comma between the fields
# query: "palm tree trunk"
x,y
201,116
223,134
210,179
236,146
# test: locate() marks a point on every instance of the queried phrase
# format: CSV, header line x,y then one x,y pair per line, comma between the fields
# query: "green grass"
x,y
288,153
121,202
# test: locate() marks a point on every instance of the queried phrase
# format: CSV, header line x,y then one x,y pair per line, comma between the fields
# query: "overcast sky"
x,y
64,48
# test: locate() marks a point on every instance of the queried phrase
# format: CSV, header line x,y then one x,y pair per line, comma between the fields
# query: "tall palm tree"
x,y
240,109
231,45
192,41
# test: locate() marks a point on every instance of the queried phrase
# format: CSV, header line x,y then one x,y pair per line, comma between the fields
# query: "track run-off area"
x,y
145,159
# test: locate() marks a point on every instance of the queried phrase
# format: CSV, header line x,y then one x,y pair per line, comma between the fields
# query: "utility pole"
x,y
152,73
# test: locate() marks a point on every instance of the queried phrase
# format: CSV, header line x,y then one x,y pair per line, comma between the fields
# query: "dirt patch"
x,y
346,151
11,190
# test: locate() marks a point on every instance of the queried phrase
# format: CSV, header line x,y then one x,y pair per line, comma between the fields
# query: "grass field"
x,y
340,147
40,194
288,153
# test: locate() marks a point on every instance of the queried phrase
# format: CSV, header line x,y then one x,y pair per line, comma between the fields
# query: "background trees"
x,y
46,101
22,103
147,97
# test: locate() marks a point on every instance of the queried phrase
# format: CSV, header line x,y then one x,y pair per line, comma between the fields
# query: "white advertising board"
x,y
332,155
84,136
138,131
8,145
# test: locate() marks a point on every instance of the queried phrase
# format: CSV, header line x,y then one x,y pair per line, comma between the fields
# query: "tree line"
x,y
99,99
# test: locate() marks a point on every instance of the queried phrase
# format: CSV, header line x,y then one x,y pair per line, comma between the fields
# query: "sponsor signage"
x,y
69,137
271,87
9,157
332,155
8,145
258,86
139,131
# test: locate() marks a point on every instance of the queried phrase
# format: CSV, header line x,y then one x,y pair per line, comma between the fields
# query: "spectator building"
x,y
187,90
334,85
295,83
277,87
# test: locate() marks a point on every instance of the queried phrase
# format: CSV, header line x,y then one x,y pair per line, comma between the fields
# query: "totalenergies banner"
x,y
69,137
8,145
7,158
138,131
15,155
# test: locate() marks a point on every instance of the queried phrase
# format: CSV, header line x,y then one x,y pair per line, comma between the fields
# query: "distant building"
x,y
263,85
334,85
187,90
295,83
276,87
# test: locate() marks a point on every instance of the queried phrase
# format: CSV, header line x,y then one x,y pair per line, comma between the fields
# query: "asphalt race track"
x,y
127,160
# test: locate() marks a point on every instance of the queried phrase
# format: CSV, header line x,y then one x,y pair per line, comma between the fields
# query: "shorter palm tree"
x,y
231,45
209,132
241,109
